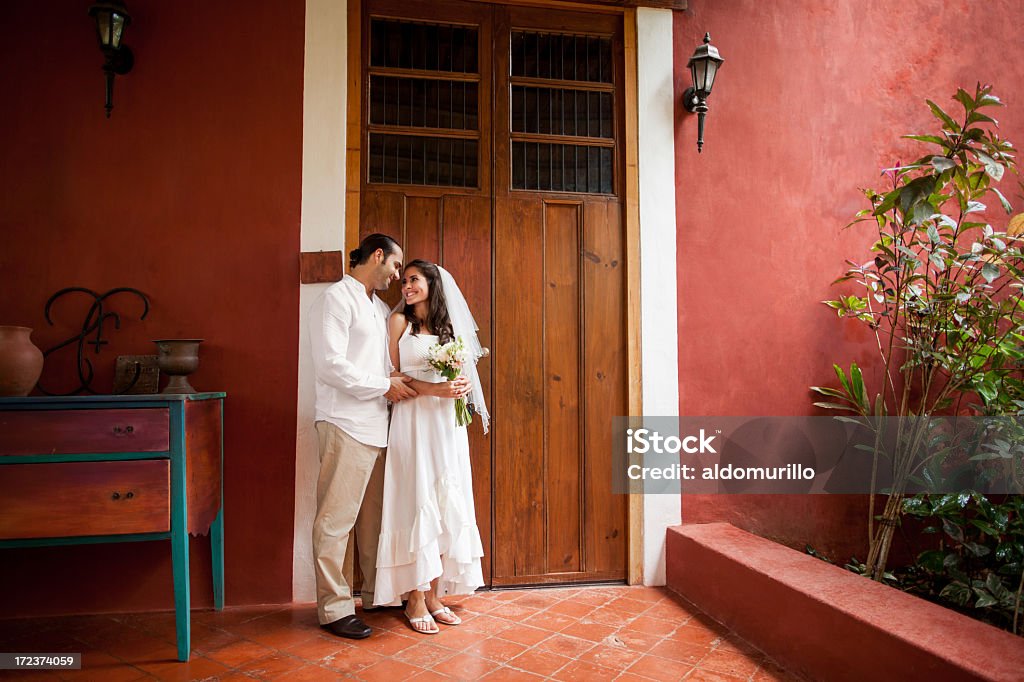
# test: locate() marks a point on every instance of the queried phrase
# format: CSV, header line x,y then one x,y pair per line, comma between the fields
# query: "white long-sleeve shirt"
x,y
349,335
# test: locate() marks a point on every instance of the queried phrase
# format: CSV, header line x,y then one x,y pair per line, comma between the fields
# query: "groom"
x,y
348,332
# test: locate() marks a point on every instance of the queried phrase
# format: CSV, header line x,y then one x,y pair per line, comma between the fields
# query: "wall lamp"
x,y
703,67
111,20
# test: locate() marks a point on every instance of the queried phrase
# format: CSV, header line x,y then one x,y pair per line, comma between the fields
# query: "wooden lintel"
x,y
596,4
321,266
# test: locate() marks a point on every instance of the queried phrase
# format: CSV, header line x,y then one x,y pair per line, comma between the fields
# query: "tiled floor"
x,y
590,634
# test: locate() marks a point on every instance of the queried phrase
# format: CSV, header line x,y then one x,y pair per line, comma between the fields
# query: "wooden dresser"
x,y
92,469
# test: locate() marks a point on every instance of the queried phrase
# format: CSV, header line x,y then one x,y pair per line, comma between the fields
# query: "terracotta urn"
x,y
21,362
177,358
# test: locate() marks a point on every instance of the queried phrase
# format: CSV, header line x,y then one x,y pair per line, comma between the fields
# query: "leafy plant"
x,y
942,293
977,561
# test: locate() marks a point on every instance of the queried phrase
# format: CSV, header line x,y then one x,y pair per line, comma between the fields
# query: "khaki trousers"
x,y
349,496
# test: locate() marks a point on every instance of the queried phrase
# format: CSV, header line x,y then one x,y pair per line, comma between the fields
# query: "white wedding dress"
x,y
428,524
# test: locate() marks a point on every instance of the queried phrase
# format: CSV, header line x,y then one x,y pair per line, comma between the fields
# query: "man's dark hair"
x,y
369,245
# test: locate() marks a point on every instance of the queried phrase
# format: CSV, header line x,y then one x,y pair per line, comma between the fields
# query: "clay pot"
x,y
21,362
177,359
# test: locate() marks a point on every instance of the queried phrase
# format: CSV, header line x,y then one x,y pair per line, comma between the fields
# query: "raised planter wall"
x,y
826,623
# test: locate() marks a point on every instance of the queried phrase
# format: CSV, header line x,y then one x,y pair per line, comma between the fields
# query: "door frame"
x,y
631,215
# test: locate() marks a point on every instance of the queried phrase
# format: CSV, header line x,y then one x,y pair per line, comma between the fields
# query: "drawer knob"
x,y
117,496
123,430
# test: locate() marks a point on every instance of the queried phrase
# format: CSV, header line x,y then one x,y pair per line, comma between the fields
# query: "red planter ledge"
x,y
826,623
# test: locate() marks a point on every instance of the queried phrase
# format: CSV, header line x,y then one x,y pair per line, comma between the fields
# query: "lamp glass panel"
x,y
103,26
712,71
699,69
118,28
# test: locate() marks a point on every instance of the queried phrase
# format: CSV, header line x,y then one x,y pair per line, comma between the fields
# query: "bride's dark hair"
x,y
437,307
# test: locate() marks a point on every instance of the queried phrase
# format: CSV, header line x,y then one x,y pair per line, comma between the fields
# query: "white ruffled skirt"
x,y
428,524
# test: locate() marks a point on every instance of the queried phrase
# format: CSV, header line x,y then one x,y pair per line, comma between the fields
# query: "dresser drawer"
x,y
65,432
68,499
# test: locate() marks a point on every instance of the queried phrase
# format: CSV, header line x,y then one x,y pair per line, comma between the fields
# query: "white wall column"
x,y
658,282
324,102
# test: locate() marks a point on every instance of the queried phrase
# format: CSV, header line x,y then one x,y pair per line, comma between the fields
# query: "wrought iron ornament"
x,y
92,326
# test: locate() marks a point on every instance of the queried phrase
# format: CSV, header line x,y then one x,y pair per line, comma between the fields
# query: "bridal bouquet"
x,y
448,361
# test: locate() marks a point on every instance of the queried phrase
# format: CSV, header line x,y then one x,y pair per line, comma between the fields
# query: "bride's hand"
x,y
457,388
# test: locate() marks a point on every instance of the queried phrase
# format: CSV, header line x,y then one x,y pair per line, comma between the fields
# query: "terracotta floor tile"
x,y
549,621
670,610
98,665
581,670
513,611
239,652
606,615
206,638
731,662
510,675
614,657
466,667
571,647
694,635
508,595
648,594
541,662
431,676
487,625
424,655
680,651
594,632
525,635
628,605
538,600
702,675
351,660
387,643
197,668
271,667
458,638
388,670
652,626
307,673
317,648
571,608
631,677
636,640
496,649
663,669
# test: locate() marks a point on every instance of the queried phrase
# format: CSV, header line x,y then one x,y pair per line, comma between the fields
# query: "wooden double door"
x,y
492,143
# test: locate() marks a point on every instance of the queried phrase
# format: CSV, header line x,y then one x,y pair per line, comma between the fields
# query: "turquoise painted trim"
x,y
82,540
217,530
217,558
88,457
179,533
148,400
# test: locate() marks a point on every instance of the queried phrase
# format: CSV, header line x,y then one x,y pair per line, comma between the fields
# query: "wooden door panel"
x,y
519,523
563,456
466,253
605,377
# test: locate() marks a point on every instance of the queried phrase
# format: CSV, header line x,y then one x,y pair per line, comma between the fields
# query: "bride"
x,y
429,541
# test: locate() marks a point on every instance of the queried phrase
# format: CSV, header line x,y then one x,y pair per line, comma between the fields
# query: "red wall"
x,y
808,107
191,193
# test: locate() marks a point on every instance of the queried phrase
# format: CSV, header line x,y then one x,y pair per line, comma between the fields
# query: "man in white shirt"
x,y
348,332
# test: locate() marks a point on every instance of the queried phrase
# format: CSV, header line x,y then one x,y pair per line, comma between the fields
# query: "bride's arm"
x,y
445,389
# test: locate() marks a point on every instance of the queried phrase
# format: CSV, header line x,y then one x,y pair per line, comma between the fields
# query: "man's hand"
x,y
399,391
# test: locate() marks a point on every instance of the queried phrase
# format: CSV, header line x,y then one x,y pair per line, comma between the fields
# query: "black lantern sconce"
x,y
703,68
111,20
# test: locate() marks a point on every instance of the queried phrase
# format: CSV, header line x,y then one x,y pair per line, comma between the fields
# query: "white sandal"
x,y
428,619
447,612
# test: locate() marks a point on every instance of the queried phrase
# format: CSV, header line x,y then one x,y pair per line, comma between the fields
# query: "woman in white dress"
x,y
429,541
